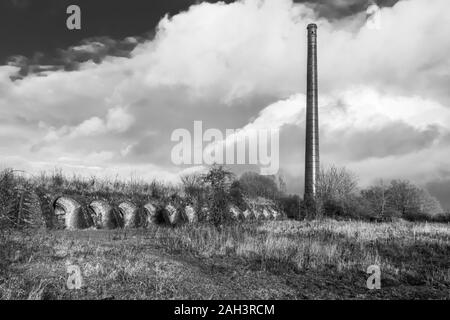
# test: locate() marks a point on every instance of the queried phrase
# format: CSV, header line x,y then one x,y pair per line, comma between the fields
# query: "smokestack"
x,y
312,117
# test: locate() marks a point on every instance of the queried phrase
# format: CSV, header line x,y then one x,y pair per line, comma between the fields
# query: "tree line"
x,y
339,196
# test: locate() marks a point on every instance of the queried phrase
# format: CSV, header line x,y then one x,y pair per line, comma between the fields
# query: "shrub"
x,y
443,217
219,180
354,207
255,185
336,193
403,199
290,205
236,195
195,191
8,183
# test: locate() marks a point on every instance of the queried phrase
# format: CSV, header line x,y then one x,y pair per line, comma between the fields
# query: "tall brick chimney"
x,y
312,165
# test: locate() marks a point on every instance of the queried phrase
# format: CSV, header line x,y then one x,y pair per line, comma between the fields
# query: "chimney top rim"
x,y
312,25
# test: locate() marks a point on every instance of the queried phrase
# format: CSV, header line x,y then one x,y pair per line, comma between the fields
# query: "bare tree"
x,y
402,198
336,187
377,197
427,204
336,183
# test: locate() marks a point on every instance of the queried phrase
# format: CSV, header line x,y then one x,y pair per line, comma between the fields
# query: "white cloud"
x,y
92,47
90,127
367,108
126,150
273,117
117,120
346,114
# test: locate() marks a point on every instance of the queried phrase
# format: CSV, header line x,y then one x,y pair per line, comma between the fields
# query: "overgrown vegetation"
x,y
340,197
324,259
219,181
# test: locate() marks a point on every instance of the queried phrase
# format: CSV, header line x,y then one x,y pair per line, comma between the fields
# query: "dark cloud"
x,y
20,4
28,26
96,49
441,190
43,21
32,65
92,49
332,9
394,139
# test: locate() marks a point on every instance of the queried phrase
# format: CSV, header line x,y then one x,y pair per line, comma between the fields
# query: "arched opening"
x,y
69,214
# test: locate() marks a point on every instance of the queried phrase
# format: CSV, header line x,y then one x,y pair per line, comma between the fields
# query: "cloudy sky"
x,y
105,100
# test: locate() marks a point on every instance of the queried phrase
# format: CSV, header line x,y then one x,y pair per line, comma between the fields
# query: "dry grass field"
x,y
260,260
